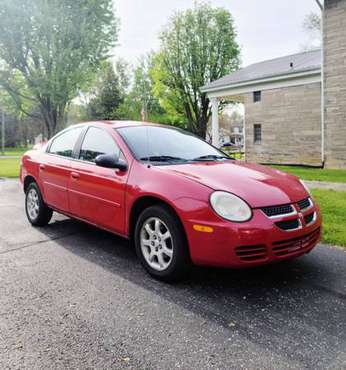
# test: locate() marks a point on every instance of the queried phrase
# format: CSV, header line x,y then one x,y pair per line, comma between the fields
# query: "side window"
x,y
257,134
64,143
96,142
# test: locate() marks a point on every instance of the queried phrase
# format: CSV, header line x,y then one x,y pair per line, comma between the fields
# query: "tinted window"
x,y
152,141
64,143
96,142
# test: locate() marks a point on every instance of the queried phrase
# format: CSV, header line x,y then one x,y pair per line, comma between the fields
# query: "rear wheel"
x,y
37,212
161,244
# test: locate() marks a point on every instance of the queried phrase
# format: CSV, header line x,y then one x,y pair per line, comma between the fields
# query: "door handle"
x,y
42,167
74,175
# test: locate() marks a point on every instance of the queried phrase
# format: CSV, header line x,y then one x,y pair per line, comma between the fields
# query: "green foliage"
x,y
169,98
49,50
197,46
109,91
142,97
9,100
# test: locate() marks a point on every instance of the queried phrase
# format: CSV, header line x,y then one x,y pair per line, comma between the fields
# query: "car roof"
x,y
120,124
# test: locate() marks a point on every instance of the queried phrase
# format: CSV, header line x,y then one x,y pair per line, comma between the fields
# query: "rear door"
x,y
97,194
55,168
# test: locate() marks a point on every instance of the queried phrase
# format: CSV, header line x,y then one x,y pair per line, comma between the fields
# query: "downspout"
x,y
244,130
322,86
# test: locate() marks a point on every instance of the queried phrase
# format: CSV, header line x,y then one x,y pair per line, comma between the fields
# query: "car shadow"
x,y
281,306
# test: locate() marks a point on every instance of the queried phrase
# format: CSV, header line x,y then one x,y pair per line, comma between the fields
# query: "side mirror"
x,y
110,161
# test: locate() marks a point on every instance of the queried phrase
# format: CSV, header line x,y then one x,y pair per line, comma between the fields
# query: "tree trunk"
x,y
53,118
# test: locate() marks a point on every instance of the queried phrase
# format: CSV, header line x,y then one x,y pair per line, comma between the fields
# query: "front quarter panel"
x,y
189,199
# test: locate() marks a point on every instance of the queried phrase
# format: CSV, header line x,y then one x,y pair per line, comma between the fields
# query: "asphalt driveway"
x,y
72,296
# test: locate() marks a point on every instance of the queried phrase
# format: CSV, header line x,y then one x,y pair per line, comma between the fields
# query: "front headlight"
x,y
230,207
305,187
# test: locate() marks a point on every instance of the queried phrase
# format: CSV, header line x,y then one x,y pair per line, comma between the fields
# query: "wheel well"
x,y
27,181
141,204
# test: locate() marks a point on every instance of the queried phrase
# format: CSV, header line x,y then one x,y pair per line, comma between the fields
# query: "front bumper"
x,y
258,241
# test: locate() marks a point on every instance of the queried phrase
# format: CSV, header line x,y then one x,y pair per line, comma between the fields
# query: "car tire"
x,y
161,244
37,212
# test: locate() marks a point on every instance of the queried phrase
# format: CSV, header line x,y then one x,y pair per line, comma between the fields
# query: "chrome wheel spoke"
x,y
151,256
166,235
146,242
157,226
161,260
167,252
148,229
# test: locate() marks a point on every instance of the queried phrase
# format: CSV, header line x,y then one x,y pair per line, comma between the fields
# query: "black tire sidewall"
x,y
179,265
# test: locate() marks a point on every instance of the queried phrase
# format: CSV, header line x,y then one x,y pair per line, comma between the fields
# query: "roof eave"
x,y
278,77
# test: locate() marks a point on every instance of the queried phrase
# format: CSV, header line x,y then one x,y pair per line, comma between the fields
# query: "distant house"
x,y
291,117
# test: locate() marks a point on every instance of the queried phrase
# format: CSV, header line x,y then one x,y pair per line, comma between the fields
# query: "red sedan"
x,y
179,199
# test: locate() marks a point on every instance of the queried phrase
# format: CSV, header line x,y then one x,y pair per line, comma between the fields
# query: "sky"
x,y
266,28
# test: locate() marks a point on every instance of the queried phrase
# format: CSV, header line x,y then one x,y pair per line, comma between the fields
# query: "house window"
x,y
257,134
257,96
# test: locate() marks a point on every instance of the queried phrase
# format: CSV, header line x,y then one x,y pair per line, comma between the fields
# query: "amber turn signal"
x,y
203,229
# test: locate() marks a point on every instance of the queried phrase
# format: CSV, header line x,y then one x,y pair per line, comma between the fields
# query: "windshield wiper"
x,y
162,158
210,157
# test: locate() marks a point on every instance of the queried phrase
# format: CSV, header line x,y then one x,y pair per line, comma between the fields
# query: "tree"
x,y
312,22
109,91
141,97
313,27
52,48
169,98
197,46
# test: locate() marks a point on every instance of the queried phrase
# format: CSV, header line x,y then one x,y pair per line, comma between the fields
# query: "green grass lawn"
x,y
14,151
317,174
9,167
333,207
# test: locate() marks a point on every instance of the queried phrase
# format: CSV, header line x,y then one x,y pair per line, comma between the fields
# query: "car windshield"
x,y
168,145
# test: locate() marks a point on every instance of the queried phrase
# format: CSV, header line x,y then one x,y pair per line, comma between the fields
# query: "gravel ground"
x,y
75,297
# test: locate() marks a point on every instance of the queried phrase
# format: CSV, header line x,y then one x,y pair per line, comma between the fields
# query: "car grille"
x,y
251,253
273,211
288,224
309,218
290,246
303,204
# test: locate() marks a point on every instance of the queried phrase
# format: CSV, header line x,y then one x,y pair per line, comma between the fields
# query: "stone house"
x,y
295,106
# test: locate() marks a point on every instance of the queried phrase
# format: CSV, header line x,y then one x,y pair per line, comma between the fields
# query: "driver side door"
x,y
97,194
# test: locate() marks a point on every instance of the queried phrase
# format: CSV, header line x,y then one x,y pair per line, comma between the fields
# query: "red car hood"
x,y
259,185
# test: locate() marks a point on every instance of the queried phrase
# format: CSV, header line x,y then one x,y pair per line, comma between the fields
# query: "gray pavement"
x,y
75,297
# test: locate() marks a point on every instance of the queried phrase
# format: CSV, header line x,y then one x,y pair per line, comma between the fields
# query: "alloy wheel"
x,y
32,204
156,243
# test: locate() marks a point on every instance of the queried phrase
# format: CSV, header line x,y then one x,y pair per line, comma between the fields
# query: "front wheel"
x,y
37,212
161,244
